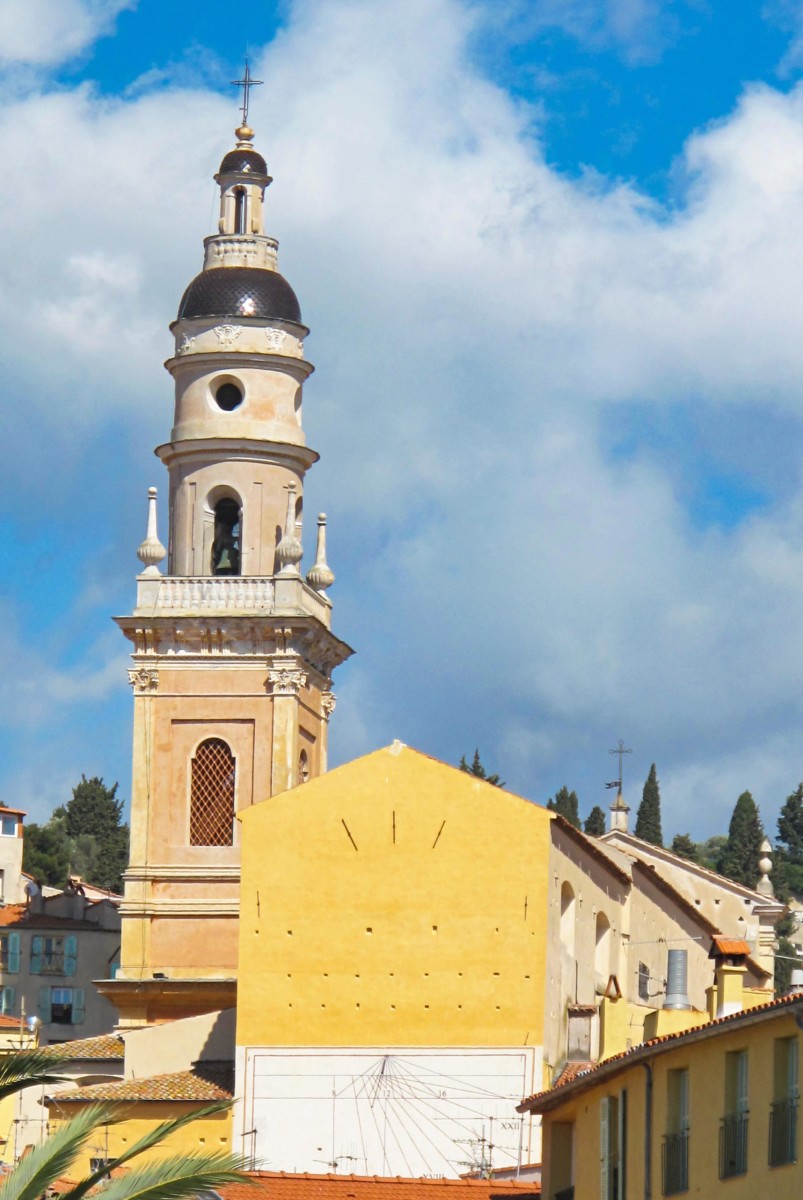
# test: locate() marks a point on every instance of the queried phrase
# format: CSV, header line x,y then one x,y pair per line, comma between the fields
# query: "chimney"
x,y
677,974
730,966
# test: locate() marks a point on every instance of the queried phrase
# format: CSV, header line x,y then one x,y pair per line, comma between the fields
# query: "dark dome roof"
x,y
243,160
240,292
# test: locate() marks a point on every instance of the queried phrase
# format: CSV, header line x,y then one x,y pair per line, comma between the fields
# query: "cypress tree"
x,y
595,822
684,846
479,771
742,851
648,817
567,804
790,827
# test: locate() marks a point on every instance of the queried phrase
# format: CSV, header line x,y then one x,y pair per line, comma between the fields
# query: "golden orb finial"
x,y
244,133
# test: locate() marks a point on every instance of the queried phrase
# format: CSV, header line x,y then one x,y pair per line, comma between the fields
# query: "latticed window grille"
x,y
212,795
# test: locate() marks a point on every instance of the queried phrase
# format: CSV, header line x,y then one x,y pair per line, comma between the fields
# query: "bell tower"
x,y
232,648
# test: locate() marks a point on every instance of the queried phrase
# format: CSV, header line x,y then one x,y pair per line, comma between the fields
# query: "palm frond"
x,y
36,1172
177,1178
24,1068
158,1134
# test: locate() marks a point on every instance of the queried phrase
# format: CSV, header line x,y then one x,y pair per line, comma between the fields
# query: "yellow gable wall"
x,y
394,901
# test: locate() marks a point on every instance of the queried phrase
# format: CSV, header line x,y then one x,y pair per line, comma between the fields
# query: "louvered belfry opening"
x,y
212,795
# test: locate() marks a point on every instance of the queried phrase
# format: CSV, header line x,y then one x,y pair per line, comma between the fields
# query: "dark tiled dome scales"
x,y
244,160
240,292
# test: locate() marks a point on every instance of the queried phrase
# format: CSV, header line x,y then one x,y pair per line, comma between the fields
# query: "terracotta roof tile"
x,y
540,1102
728,946
106,1046
280,1185
205,1082
18,914
570,1072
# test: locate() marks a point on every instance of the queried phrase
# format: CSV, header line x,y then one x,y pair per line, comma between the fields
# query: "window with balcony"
x,y
675,1164
783,1111
52,955
733,1128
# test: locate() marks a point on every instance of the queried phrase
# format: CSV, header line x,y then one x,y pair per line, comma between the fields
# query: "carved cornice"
x,y
180,908
205,873
328,703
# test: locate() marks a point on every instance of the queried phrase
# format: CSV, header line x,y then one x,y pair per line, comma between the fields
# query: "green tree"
x,y
595,822
684,846
98,838
648,817
567,804
742,851
790,825
785,955
478,769
709,853
45,854
178,1177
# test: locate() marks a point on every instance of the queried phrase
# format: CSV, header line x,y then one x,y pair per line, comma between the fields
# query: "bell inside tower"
x,y
226,544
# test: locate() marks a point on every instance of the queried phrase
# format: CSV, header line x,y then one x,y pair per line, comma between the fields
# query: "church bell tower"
x,y
232,647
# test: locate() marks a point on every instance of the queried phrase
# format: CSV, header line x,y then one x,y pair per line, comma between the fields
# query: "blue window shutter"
x,y
44,1004
78,1007
36,955
8,1002
70,954
13,953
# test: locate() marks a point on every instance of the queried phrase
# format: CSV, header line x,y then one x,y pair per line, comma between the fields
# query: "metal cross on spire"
x,y
246,83
621,750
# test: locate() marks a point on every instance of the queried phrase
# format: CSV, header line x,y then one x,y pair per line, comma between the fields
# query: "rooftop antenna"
x,y
246,83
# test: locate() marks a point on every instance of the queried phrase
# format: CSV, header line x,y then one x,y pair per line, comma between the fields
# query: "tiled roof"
x,y
107,1046
10,1023
18,914
205,1082
279,1185
579,1081
728,946
571,1071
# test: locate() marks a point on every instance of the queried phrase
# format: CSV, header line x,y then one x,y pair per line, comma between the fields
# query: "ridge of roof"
x,y
577,1083
205,1082
106,1046
585,842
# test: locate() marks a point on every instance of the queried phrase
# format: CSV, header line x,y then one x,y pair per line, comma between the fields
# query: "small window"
x,y
62,1006
228,396
303,767
212,795
8,826
643,981
567,917
239,211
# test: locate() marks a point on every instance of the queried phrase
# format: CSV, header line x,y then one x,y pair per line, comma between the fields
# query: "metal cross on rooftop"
x,y
246,83
621,750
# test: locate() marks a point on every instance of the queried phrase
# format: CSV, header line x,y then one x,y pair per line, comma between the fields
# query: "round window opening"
x,y
229,396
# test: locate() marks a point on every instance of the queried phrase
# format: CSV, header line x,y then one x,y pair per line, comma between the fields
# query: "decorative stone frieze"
x,y
328,703
227,335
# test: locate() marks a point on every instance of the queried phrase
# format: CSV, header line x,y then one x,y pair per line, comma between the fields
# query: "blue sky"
x,y
549,252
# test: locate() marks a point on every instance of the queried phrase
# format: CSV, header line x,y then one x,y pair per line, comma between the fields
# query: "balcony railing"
x,y
733,1146
783,1132
208,595
676,1163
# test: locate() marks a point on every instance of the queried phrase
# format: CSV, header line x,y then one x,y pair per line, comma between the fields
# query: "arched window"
x,y
602,949
239,211
212,795
567,917
226,545
303,767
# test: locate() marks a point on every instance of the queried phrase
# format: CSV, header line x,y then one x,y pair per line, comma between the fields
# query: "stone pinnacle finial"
x,y
151,551
764,884
289,552
320,576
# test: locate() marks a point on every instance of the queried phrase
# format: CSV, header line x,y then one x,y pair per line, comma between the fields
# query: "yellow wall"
x,y
207,1134
394,901
705,1061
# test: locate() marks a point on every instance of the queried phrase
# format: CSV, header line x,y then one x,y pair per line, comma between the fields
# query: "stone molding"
x,y
287,679
328,704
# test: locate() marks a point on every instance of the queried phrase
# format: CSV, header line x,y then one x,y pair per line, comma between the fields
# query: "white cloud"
x,y
479,322
47,32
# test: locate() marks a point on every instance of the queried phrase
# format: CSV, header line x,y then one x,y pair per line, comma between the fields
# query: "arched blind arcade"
x,y
212,795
